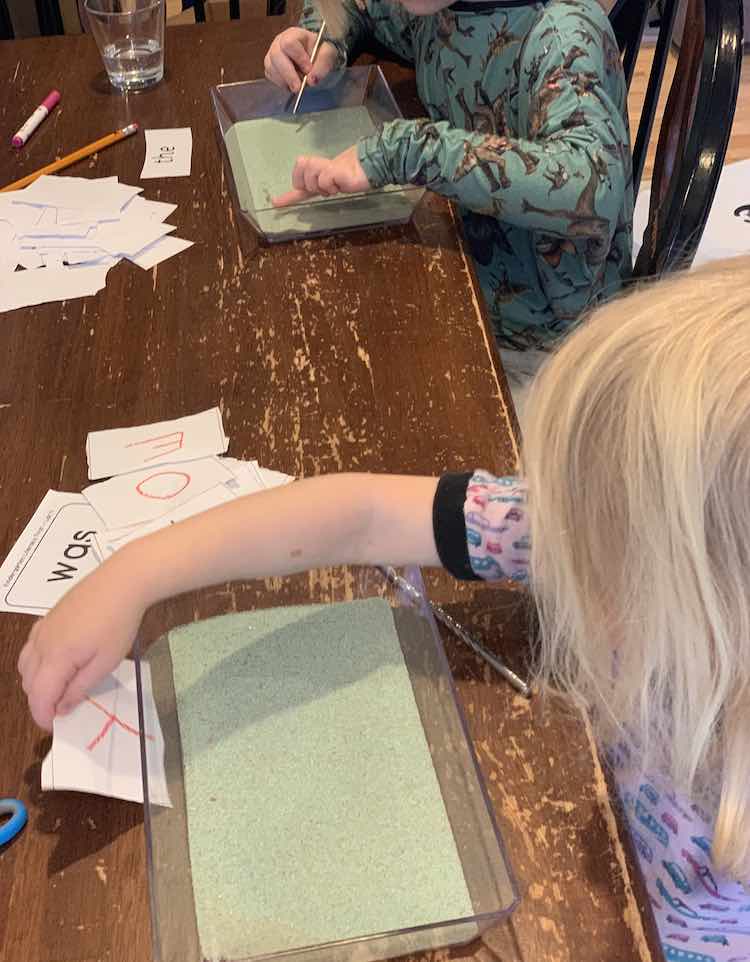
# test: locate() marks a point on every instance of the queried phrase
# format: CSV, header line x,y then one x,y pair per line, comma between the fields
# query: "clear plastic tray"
x,y
469,826
261,140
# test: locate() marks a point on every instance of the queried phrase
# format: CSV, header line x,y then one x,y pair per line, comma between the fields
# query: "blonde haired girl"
x,y
637,498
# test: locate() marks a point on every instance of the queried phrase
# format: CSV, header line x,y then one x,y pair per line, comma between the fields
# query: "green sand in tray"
x,y
262,153
314,812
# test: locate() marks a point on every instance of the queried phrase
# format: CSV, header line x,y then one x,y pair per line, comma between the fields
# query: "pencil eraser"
x,y
17,141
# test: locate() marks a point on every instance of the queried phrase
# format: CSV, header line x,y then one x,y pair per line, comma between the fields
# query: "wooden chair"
x,y
50,17
628,19
6,26
697,120
274,8
33,18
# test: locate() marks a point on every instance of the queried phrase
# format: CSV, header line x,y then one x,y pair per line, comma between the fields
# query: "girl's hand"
x,y
83,638
313,176
289,56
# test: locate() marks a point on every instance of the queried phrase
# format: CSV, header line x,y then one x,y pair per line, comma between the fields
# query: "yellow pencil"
x,y
73,158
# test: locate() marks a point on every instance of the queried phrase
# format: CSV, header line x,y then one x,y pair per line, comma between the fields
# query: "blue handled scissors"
x,y
18,818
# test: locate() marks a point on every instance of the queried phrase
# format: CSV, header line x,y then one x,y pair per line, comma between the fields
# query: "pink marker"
x,y
42,111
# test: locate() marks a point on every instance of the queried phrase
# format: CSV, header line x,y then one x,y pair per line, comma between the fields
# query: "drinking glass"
x,y
130,37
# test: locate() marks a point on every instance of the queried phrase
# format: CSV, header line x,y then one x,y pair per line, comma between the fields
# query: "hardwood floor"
x,y
739,145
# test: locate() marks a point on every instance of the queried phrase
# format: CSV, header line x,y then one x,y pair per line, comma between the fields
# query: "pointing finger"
x,y
289,198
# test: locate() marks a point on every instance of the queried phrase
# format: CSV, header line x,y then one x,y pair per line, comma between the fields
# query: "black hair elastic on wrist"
x,y
449,525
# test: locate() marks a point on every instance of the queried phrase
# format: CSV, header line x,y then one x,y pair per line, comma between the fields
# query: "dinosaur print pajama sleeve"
x,y
481,528
527,132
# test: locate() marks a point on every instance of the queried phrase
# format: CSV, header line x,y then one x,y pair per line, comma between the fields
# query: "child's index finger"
x,y
48,687
290,197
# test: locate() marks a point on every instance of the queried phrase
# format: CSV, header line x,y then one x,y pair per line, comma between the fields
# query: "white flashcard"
x,y
159,251
248,478
121,450
168,152
97,747
55,551
152,492
94,197
57,283
140,207
220,494
273,479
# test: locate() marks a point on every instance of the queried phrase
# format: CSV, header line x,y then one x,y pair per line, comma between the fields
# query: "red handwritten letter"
x,y
170,443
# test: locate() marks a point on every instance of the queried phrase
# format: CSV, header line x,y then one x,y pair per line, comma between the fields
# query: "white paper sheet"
x,y
151,492
160,251
8,248
70,221
113,540
27,288
252,477
246,474
97,197
140,206
274,479
121,450
97,748
30,260
247,478
168,152
125,237
727,231
54,552
128,237
233,487
81,256
21,216
48,226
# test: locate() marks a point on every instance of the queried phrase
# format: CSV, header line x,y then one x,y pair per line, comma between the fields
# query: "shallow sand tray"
x,y
327,804
262,139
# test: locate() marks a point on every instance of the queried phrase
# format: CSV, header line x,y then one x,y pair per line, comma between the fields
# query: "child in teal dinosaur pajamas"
x,y
527,132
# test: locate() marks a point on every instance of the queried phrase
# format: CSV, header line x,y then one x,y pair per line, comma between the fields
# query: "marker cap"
x,y
51,100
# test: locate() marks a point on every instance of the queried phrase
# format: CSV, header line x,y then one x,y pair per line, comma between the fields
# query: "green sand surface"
x,y
314,812
263,152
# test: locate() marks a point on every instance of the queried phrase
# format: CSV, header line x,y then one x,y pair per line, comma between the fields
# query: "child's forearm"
x,y
506,177
332,520
339,519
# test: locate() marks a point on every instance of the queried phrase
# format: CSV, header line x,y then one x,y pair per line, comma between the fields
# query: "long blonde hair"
x,y
335,15
637,451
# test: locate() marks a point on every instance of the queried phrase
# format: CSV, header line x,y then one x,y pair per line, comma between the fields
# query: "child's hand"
x,y
83,638
289,56
313,176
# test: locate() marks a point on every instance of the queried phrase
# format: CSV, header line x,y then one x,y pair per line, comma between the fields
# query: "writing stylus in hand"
x,y
313,55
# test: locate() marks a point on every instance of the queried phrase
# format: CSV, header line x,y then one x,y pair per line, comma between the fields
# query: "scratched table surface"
x,y
367,351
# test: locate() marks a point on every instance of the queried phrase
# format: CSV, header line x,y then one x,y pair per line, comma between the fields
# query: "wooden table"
x,y
366,351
